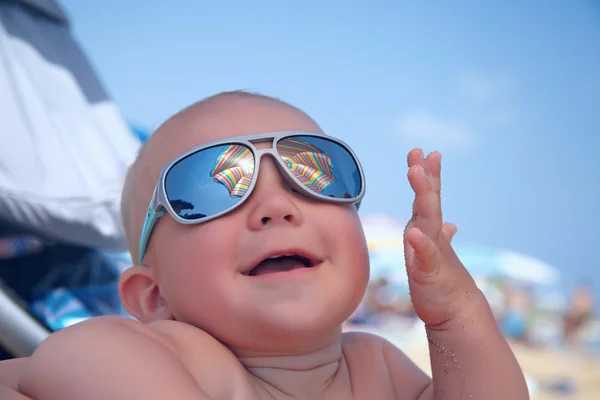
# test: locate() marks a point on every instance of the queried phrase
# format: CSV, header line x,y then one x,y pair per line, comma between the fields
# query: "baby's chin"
x,y
281,339
283,327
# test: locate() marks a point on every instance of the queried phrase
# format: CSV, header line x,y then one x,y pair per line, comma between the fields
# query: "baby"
x,y
250,257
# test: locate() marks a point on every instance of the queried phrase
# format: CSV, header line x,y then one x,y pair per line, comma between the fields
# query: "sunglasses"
x,y
215,178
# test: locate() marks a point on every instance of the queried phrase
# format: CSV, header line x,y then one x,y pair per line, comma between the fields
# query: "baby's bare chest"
x,y
362,375
359,384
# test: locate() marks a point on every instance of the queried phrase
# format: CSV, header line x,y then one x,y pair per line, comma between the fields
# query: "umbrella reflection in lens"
x,y
209,181
321,165
234,169
308,163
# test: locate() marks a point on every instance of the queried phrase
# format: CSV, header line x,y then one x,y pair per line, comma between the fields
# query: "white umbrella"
x,y
488,262
64,146
526,269
385,241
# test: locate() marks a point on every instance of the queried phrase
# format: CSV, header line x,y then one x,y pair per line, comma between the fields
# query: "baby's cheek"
x,y
331,221
356,246
348,230
190,290
346,239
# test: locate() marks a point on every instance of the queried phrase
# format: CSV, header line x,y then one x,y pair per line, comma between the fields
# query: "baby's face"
x,y
206,273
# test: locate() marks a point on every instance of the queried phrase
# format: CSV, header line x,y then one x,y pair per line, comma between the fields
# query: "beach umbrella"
x,y
506,264
64,146
384,236
479,260
526,269
308,163
234,168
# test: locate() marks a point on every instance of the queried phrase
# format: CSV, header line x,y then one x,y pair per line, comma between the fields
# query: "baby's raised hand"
x,y
469,356
440,286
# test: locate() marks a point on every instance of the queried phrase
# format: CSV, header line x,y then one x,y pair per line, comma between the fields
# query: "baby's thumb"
x,y
449,230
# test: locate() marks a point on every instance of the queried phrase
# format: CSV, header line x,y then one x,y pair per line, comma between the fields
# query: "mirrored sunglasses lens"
x,y
322,165
209,181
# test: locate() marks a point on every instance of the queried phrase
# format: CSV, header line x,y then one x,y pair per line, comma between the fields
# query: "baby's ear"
x,y
141,296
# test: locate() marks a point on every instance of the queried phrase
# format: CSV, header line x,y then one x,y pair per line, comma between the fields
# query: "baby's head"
x,y
204,261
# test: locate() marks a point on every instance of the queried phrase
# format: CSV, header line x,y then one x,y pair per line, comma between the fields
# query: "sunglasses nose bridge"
x,y
270,152
278,163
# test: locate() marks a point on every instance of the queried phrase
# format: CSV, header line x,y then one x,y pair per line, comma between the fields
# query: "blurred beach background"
x,y
509,92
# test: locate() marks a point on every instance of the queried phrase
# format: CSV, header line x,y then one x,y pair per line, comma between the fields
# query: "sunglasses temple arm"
x,y
151,217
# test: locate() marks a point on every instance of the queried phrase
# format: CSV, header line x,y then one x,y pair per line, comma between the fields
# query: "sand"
x,y
542,367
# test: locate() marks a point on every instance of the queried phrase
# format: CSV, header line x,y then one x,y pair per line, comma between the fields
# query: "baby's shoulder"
x,y
212,365
208,360
124,350
364,348
364,354
372,358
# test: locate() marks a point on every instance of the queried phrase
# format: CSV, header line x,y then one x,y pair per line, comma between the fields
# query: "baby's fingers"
x,y
449,230
426,260
434,165
424,178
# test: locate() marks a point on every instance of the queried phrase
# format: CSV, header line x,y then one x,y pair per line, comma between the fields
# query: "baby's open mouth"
x,y
281,263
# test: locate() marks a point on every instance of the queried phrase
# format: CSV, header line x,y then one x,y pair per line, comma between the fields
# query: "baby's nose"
x,y
273,202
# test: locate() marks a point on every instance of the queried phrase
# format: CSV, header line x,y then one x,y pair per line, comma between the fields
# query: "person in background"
x,y
578,314
515,319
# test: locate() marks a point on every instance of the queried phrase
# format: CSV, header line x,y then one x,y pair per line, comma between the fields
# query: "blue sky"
x,y
509,92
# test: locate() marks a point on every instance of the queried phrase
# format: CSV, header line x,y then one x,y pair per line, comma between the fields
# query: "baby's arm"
x,y
107,358
469,359
8,393
469,356
10,371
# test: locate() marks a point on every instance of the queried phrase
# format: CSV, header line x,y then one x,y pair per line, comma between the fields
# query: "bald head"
x,y
220,116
